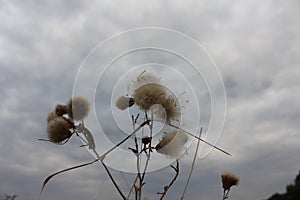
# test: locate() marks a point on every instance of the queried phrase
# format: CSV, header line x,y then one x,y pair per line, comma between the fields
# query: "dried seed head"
x,y
124,102
147,95
171,105
60,110
78,107
172,143
229,180
58,130
146,140
51,116
148,91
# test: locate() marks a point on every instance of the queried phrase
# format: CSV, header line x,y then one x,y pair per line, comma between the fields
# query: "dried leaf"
x,y
65,170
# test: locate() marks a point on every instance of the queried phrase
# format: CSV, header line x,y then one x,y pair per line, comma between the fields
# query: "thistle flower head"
x,y
51,116
172,143
229,180
124,102
58,130
60,110
171,105
147,95
78,107
148,91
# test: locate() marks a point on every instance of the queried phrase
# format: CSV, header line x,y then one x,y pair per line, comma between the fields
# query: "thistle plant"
x,y
149,104
228,180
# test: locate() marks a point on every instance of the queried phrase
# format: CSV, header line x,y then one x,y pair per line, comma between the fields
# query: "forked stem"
x,y
225,194
126,138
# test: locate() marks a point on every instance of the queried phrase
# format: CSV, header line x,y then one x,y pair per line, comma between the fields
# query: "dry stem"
x,y
192,168
167,187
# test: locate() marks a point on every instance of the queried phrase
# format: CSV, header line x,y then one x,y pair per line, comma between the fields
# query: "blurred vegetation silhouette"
x,y
10,197
292,191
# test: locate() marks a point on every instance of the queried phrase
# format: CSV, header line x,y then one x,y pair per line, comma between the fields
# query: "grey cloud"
x,y
255,45
244,87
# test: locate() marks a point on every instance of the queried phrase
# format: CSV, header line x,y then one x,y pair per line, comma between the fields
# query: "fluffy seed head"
x,y
58,130
172,143
124,102
78,107
229,180
171,105
148,91
60,110
51,116
148,95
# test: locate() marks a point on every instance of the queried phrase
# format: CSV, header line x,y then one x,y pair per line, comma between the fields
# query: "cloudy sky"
x,y
254,44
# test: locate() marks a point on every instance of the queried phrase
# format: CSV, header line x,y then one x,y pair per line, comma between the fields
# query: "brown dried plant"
x,y
147,91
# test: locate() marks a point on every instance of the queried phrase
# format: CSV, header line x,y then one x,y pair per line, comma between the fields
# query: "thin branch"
x,y
138,166
121,142
192,168
113,180
150,150
225,194
167,187
136,178
142,177
146,165
126,182
199,138
59,172
141,173
103,156
137,154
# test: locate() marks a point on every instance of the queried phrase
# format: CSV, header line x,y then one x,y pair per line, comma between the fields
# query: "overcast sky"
x,y
254,44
